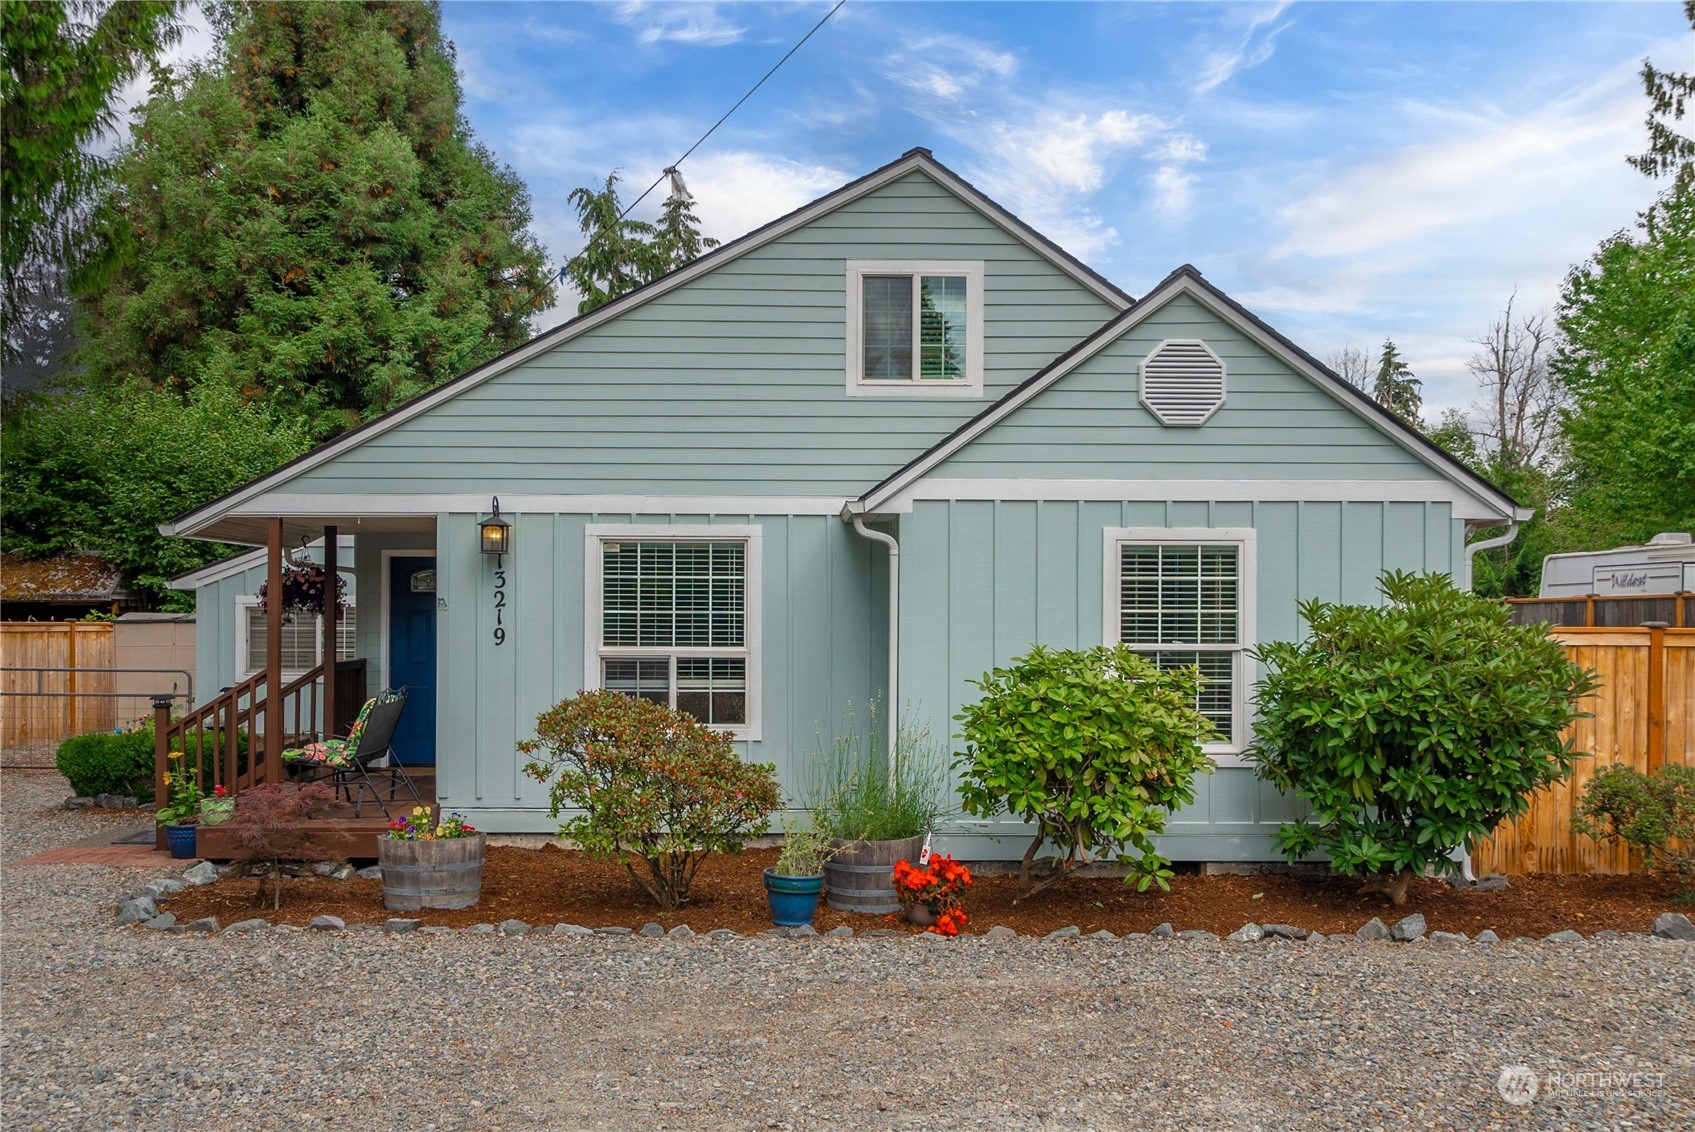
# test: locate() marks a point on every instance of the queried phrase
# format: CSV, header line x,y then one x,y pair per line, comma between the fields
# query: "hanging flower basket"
x,y
303,589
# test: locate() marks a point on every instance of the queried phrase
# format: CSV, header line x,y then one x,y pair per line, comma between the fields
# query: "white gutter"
x,y
1471,548
890,723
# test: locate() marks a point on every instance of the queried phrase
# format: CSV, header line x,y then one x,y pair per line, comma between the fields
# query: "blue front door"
x,y
412,655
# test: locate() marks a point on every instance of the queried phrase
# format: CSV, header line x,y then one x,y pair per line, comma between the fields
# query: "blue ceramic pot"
x,y
793,899
181,840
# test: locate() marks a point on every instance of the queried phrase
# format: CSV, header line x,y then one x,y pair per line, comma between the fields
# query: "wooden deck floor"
x,y
338,833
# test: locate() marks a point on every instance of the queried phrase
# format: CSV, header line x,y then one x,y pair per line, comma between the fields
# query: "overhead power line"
x,y
672,168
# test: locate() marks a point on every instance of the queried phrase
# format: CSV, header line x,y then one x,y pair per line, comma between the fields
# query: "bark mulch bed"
x,y
551,885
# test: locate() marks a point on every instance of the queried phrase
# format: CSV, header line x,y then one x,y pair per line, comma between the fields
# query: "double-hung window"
x,y
914,328
302,639
672,620
1185,598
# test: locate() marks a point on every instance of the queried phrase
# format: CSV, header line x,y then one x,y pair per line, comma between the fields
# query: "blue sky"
x,y
1349,171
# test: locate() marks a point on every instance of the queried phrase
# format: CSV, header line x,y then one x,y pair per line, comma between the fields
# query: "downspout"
x,y
1471,549
889,721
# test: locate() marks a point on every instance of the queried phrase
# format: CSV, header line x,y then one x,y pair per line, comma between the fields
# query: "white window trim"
x,y
1243,538
971,385
597,533
243,666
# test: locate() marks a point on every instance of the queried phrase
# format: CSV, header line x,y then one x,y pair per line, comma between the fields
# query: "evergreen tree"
x,y
1395,387
620,254
310,221
61,65
1669,92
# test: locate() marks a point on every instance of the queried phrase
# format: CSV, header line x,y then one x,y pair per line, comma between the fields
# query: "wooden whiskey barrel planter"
x,y
860,877
432,874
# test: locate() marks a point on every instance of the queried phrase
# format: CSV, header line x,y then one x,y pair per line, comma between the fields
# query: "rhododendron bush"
x,y
646,783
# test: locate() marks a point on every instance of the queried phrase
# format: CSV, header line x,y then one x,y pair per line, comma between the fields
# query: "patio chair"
x,y
355,763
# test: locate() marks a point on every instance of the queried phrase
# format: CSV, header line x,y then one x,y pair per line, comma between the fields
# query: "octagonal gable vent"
x,y
1182,382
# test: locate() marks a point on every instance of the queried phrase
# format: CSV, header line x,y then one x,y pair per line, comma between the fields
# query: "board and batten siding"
x,y
982,581
823,648
733,384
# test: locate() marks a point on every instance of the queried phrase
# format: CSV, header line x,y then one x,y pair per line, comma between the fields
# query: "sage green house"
x,y
870,450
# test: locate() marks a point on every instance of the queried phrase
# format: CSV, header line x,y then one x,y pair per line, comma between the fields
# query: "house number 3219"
x,y
499,606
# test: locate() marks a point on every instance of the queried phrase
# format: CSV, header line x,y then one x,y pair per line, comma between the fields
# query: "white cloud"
x,y
700,25
947,68
1250,49
1045,164
737,192
1495,167
1171,185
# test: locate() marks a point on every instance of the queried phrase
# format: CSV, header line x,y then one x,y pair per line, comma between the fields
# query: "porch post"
x,y
273,651
331,611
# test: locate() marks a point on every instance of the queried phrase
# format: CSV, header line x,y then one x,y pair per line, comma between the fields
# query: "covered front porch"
x,y
280,699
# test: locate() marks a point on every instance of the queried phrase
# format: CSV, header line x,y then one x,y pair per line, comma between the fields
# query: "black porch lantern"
x,y
496,532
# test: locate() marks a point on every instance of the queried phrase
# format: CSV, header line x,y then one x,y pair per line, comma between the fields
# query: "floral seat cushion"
x,y
337,752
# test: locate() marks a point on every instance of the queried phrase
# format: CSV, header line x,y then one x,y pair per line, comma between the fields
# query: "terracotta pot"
x,y
921,914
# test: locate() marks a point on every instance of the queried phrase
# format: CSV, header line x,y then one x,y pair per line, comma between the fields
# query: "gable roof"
x,y
1186,280
912,161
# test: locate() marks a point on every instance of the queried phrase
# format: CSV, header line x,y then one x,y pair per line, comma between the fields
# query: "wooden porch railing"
x,y
224,738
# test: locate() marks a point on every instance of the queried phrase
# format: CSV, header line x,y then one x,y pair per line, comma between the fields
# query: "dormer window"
x,y
914,328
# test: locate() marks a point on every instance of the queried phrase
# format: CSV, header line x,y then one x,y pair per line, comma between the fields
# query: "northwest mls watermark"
x,y
1522,1085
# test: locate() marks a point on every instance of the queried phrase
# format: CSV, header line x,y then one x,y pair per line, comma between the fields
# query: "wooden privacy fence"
x,y
1643,716
55,644
1611,611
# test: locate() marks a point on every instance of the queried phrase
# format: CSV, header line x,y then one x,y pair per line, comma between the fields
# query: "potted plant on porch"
x,y
876,805
795,882
431,861
182,810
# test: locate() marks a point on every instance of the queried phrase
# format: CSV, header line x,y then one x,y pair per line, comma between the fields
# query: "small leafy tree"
x,y
1651,812
1412,728
1094,746
651,783
267,827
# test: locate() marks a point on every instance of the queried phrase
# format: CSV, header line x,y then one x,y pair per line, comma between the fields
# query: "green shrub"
x,y
105,763
1651,812
651,783
1096,747
1413,728
856,798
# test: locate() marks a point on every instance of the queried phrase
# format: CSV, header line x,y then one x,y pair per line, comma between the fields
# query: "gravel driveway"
x,y
109,1028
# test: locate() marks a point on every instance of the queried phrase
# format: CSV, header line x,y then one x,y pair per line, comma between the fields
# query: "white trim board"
x,y
754,600
240,563
1183,282
969,270
1247,613
452,503
1465,505
912,162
